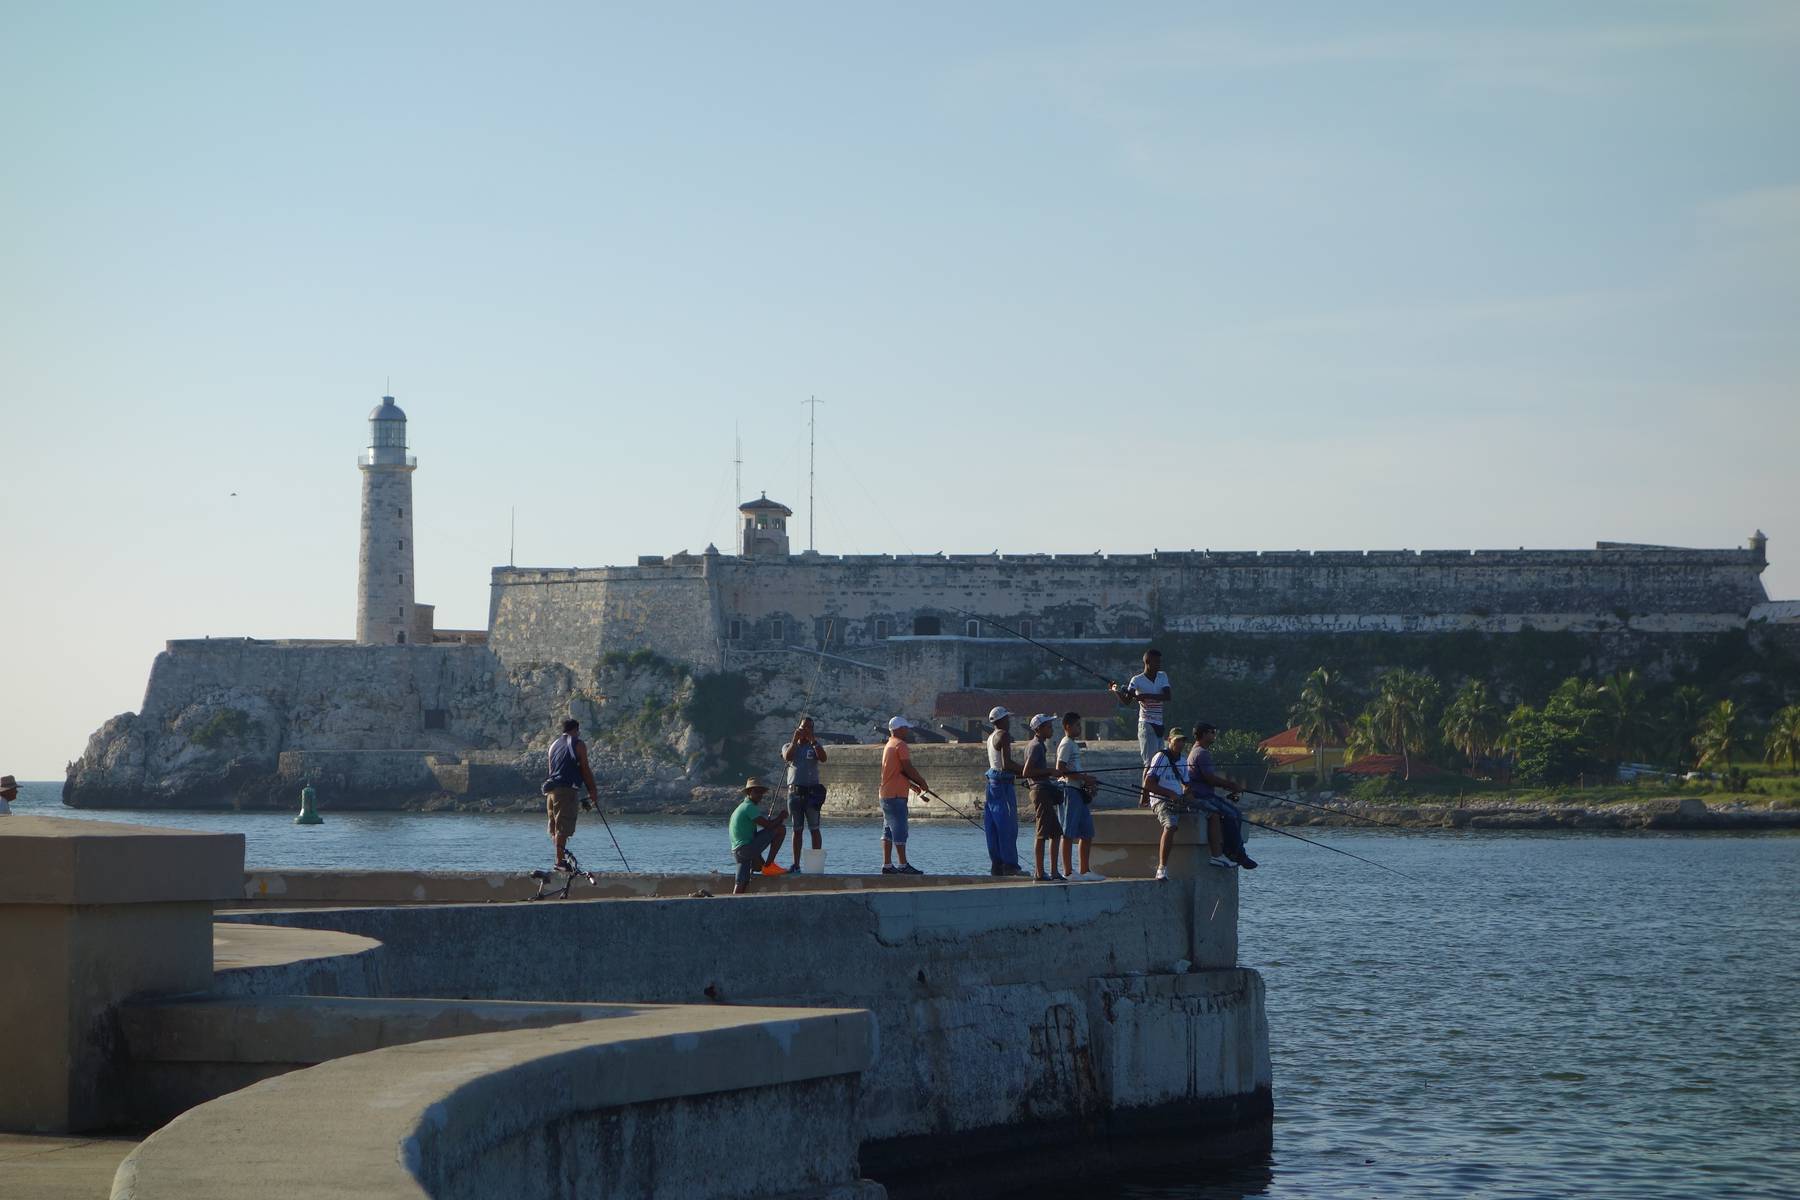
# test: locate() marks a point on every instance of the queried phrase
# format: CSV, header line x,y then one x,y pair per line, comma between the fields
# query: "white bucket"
x,y
812,862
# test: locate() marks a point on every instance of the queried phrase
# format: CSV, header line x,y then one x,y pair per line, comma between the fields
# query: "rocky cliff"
x,y
244,724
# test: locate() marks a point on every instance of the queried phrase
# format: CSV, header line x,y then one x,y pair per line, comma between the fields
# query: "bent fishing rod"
x,y
1284,833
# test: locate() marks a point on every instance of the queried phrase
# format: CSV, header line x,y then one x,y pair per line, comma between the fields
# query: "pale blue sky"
x,y
1337,276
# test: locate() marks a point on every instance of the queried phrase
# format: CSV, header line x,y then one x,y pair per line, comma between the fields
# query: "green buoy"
x,y
308,814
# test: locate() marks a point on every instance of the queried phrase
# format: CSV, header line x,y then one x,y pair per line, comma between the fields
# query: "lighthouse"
x,y
384,561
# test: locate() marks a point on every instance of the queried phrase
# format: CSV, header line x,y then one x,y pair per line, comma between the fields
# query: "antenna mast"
x,y
512,538
812,441
737,462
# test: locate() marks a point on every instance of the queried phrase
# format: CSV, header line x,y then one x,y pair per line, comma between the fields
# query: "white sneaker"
x,y
1221,861
1091,877
1161,873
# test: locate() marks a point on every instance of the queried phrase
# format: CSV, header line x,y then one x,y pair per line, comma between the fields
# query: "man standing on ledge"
x,y
897,778
9,791
806,795
1000,812
1150,689
568,770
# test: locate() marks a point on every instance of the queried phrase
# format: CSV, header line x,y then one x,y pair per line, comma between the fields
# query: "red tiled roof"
x,y
1372,765
1092,704
1288,743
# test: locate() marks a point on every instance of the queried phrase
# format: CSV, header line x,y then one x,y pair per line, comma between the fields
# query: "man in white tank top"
x,y
1000,810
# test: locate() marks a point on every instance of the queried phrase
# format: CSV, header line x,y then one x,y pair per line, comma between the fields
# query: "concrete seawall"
x,y
1010,1012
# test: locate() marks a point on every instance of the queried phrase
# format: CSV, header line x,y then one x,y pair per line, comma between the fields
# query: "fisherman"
x,y
1000,811
755,839
1224,820
1150,690
1078,790
1045,796
897,778
1164,790
806,794
9,791
569,769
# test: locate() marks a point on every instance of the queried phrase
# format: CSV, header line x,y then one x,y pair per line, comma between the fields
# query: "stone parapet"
x,y
91,913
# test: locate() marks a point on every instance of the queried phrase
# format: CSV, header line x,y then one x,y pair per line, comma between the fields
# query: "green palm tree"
x,y
1364,738
1472,722
1626,725
1783,741
1319,715
1721,730
1681,718
1402,712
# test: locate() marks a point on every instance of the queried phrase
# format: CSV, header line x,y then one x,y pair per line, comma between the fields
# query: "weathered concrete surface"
x,y
983,993
185,1052
289,889
50,1167
636,1105
90,914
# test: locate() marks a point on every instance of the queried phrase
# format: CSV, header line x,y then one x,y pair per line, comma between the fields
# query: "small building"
x,y
762,525
1288,754
1387,766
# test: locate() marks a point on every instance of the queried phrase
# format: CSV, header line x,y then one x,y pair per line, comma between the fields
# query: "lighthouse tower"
x,y
384,561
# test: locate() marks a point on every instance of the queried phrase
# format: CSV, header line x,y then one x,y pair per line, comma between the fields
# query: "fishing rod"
x,y
1108,681
614,837
1284,833
1323,808
929,794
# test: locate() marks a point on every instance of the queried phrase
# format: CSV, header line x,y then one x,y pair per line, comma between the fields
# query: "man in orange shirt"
x,y
897,778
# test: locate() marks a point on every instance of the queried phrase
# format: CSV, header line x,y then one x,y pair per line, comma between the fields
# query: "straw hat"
x,y
754,784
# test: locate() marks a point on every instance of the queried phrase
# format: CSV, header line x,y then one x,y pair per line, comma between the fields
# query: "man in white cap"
x,y
1045,796
1000,811
9,791
897,778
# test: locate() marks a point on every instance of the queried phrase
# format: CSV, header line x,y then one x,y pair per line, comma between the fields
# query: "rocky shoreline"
x,y
1682,814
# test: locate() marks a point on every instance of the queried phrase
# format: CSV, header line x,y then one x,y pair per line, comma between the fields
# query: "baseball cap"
x,y
999,712
899,723
1042,719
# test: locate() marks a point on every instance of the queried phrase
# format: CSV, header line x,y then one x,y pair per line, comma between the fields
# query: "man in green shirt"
x,y
755,839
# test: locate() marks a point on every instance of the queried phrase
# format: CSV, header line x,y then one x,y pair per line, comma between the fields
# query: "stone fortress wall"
x,y
705,610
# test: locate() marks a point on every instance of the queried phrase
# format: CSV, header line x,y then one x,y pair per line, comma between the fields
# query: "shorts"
x,y
1044,799
1167,816
1078,817
804,802
893,817
563,806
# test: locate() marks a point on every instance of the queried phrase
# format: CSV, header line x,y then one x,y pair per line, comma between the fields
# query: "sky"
x,y
1063,276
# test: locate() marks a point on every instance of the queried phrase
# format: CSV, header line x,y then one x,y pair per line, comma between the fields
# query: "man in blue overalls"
x,y
1000,813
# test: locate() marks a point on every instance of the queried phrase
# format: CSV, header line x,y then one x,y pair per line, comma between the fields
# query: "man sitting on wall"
x,y
755,839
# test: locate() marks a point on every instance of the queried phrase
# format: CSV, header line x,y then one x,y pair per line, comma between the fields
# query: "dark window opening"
x,y
881,630
1025,628
737,630
1075,630
927,627
402,543
972,629
965,674
436,718
400,637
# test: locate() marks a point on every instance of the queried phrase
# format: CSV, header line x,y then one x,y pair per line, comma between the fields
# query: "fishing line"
x,y
1324,808
959,812
1190,808
806,708
1046,649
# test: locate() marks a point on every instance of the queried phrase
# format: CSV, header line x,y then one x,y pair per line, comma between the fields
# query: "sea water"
x,y
1602,1015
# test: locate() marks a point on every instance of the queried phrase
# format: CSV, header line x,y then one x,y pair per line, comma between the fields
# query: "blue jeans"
x,y
893,817
1078,821
1000,820
1231,823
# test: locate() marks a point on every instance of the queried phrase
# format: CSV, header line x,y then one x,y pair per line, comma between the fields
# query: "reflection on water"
x,y
1540,1015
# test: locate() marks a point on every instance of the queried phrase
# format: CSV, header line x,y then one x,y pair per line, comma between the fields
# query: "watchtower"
x,y
384,561
762,528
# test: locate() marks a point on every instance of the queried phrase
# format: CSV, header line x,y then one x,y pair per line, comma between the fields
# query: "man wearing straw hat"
x,y
755,839
9,791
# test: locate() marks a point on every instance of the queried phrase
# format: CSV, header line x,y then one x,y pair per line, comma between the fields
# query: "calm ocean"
x,y
1540,1015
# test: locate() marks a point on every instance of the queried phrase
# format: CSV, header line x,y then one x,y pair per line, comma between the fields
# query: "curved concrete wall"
x,y
634,1105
